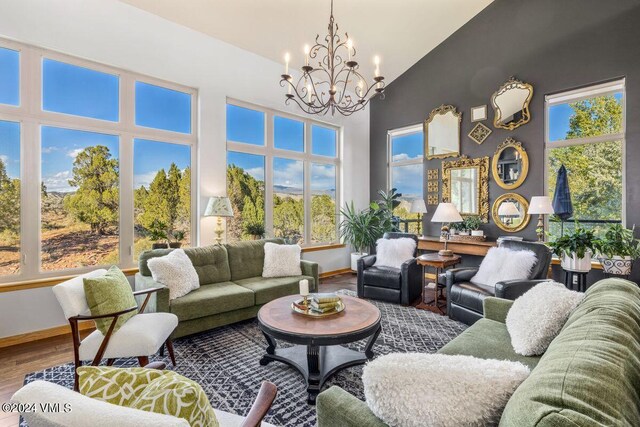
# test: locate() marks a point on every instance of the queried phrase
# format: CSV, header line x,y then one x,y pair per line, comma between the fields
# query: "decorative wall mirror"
x,y
509,212
511,104
442,132
510,164
465,183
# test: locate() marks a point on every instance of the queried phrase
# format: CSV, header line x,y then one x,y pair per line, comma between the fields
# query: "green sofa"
x,y
589,375
231,285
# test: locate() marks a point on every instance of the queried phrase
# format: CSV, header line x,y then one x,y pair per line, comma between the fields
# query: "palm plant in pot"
x,y
617,250
575,249
360,230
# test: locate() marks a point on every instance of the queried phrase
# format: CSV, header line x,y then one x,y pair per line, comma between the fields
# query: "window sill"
x,y
323,247
47,282
594,264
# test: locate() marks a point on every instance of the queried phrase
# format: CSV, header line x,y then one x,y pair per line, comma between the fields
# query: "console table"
x,y
433,243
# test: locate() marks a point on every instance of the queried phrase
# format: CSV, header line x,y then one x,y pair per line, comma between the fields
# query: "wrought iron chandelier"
x,y
334,84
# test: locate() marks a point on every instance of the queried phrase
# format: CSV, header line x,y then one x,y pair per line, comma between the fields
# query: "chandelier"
x,y
330,83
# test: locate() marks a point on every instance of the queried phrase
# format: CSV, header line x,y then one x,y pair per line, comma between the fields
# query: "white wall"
x,y
119,35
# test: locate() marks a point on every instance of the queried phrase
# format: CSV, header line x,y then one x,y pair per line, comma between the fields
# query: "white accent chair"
x,y
141,336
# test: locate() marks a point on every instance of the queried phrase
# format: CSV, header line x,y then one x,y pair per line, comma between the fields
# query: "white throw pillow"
x,y
414,389
394,252
176,272
281,260
536,317
504,264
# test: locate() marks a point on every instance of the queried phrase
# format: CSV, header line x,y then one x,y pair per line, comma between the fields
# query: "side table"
x,y
439,263
581,281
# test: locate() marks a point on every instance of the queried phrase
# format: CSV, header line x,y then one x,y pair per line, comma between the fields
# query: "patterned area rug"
x,y
224,362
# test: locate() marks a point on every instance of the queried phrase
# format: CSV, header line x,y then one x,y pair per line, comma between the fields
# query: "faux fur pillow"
x,y
536,317
414,389
394,252
176,272
281,260
504,264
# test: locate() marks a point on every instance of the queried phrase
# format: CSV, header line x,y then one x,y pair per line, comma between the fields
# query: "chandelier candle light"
x,y
333,83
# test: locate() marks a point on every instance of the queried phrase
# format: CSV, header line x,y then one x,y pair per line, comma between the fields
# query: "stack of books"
x,y
323,303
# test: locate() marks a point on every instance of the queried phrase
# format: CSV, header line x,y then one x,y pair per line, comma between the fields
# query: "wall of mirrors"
x,y
465,183
510,164
511,104
442,132
509,212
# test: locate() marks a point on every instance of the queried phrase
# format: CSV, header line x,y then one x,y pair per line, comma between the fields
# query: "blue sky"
x,y
407,146
559,116
10,147
9,77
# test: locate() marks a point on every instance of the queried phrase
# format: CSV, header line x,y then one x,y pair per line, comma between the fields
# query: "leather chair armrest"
x,y
463,274
496,308
364,263
411,275
310,268
512,289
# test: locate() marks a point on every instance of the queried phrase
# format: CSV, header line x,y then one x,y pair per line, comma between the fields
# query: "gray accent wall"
x,y
554,45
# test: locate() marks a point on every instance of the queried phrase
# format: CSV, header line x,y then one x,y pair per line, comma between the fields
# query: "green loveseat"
x,y
231,285
589,375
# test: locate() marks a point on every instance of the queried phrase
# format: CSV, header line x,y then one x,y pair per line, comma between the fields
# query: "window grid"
x,y
269,152
33,117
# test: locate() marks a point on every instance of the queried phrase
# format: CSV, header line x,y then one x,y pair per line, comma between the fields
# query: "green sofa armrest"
x,y
159,301
336,407
310,268
496,308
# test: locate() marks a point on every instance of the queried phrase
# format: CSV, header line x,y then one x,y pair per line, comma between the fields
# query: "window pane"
x,y
245,125
323,203
161,108
245,188
595,182
80,199
9,198
408,181
161,195
407,147
288,134
79,91
288,200
601,115
9,77
323,141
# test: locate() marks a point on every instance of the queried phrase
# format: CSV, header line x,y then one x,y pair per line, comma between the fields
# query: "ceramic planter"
x,y
620,266
355,256
573,263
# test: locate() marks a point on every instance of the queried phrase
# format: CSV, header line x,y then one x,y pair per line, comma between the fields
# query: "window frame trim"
x,y
394,133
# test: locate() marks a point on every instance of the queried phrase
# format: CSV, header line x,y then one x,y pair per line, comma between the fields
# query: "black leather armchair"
x,y
398,285
464,298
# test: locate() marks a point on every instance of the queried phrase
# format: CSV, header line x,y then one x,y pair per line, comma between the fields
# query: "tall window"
x,y
282,176
114,152
586,134
406,153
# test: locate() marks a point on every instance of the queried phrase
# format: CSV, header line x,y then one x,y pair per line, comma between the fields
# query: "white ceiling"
x,y
399,31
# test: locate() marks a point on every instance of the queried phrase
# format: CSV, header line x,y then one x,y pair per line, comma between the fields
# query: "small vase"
x,y
617,265
573,263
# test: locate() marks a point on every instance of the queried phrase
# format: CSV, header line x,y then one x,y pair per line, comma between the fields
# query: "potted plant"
x,y
178,237
255,230
575,249
158,233
617,250
473,223
360,230
384,208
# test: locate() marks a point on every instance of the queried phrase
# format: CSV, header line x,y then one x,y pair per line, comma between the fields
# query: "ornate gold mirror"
x,y
510,164
442,132
509,212
465,183
511,104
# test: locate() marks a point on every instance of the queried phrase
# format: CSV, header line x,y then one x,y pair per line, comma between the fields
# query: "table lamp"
x,y
418,206
219,206
540,205
509,210
446,213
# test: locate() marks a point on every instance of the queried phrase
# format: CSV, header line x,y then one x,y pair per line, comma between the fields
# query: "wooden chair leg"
x,y
110,362
143,360
162,350
76,377
172,355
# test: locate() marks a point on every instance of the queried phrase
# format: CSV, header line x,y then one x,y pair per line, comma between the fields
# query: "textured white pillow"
x,y
504,264
414,389
281,260
394,252
536,317
176,272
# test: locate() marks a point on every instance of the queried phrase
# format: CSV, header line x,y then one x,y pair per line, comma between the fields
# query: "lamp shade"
x,y
418,206
508,209
218,206
446,212
540,205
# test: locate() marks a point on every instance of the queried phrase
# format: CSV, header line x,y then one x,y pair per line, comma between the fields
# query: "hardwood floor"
x,y
19,360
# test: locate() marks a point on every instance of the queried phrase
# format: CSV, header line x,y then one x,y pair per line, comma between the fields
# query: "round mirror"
x,y
510,164
509,212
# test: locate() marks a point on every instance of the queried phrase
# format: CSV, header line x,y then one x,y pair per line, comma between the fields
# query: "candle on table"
x,y
304,287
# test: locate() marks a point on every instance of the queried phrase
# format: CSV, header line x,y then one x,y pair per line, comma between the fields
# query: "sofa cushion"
x,y
470,295
146,256
487,339
211,263
212,299
268,289
590,374
502,264
383,277
246,258
176,272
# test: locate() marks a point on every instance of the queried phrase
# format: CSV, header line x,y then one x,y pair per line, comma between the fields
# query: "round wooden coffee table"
x,y
318,353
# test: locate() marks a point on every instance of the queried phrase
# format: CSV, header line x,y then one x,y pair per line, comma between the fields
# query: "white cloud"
x,y
49,149
4,158
144,179
408,179
290,176
58,182
257,173
74,153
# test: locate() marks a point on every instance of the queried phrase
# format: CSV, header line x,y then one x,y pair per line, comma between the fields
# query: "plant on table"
x,y
575,249
617,249
176,238
158,233
255,230
472,223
